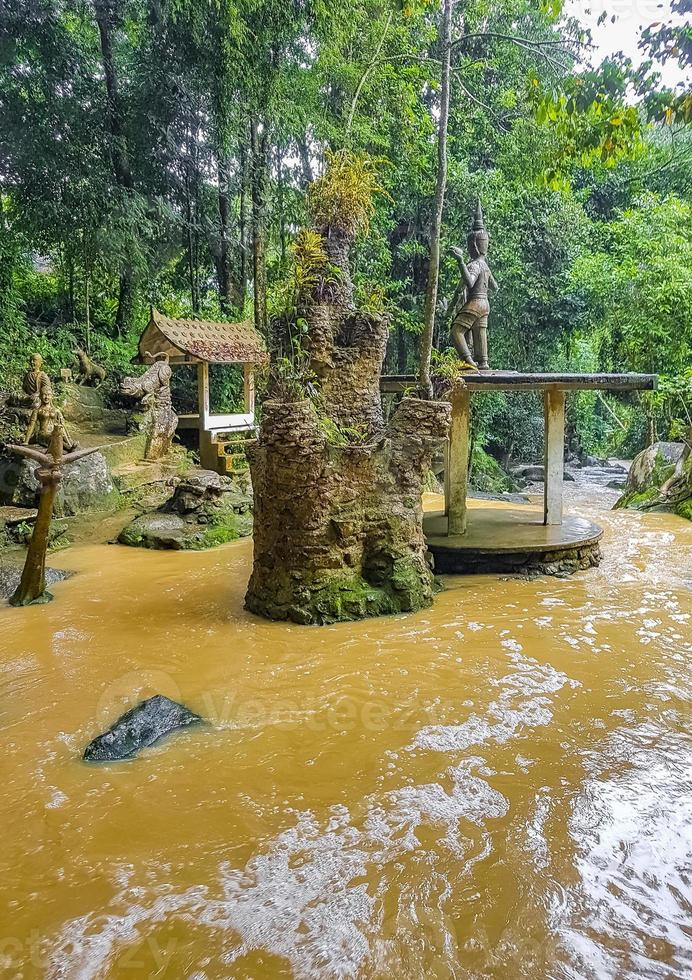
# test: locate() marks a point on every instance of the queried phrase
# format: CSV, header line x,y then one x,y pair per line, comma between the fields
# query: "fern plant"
x,y
343,198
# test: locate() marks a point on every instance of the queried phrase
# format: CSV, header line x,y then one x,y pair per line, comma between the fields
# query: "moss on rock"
x,y
205,511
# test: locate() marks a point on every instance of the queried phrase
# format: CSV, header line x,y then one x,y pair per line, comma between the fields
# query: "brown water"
x,y
500,786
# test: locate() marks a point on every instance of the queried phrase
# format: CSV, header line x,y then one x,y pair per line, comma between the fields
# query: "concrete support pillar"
x,y
457,471
554,406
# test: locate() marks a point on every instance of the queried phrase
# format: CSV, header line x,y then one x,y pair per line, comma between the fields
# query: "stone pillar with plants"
x,y
338,512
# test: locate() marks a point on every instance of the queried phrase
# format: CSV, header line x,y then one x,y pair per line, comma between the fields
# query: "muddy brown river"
x,y
497,787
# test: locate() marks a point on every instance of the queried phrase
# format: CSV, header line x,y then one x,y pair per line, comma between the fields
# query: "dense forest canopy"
x,y
158,152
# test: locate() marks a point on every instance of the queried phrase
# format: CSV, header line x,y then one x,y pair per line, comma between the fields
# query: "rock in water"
x,y
138,728
649,471
10,576
206,510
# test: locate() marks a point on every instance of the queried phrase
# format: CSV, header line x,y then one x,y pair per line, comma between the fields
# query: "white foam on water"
x,y
316,895
523,702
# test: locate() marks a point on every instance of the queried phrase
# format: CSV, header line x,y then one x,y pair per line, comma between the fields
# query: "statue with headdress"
x,y
470,317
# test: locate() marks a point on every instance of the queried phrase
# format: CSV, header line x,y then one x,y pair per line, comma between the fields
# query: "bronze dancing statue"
x,y
471,321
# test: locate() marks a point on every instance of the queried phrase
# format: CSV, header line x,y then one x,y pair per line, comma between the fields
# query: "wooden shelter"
x,y
205,342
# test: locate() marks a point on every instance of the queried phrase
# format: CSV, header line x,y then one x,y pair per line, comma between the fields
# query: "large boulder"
x,y
86,485
648,472
207,509
10,574
88,409
534,473
136,729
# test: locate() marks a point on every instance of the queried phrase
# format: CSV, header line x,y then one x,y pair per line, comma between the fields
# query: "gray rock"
x,y
86,485
205,491
164,532
87,408
616,485
18,484
568,478
534,473
647,468
510,498
206,510
10,575
136,729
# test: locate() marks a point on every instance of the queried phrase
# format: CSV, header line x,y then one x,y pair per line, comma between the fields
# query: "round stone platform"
x,y
503,539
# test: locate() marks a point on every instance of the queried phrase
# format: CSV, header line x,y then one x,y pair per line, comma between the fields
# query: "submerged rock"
x,y
139,728
507,497
206,510
164,532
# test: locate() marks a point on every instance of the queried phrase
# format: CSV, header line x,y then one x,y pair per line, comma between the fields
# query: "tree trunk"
x,y
104,10
259,230
243,223
190,236
32,585
224,276
305,163
126,300
438,204
280,205
338,518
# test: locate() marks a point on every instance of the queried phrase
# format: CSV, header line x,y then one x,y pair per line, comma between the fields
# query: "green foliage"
x,y
588,205
343,198
637,288
487,475
343,435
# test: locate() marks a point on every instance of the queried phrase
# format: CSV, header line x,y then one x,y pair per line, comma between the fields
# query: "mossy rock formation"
x,y
660,478
206,510
338,521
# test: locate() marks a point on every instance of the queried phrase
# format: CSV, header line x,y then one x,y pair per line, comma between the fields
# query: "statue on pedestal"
x,y
471,320
153,390
34,382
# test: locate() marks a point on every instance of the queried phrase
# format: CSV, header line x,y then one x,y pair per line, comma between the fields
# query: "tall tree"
x,y
438,203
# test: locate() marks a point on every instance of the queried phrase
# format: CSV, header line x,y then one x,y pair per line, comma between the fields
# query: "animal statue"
x,y
471,321
90,373
153,390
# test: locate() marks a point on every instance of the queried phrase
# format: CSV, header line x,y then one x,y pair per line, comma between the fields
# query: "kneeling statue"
x,y
45,418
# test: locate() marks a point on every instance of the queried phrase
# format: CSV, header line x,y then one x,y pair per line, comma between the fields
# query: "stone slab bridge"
x,y
490,539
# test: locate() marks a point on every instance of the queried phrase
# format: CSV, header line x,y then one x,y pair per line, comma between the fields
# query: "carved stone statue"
x,y
153,389
90,373
33,383
45,417
32,585
471,320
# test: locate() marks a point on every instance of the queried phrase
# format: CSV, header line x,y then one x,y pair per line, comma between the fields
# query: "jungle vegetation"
x,y
159,152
